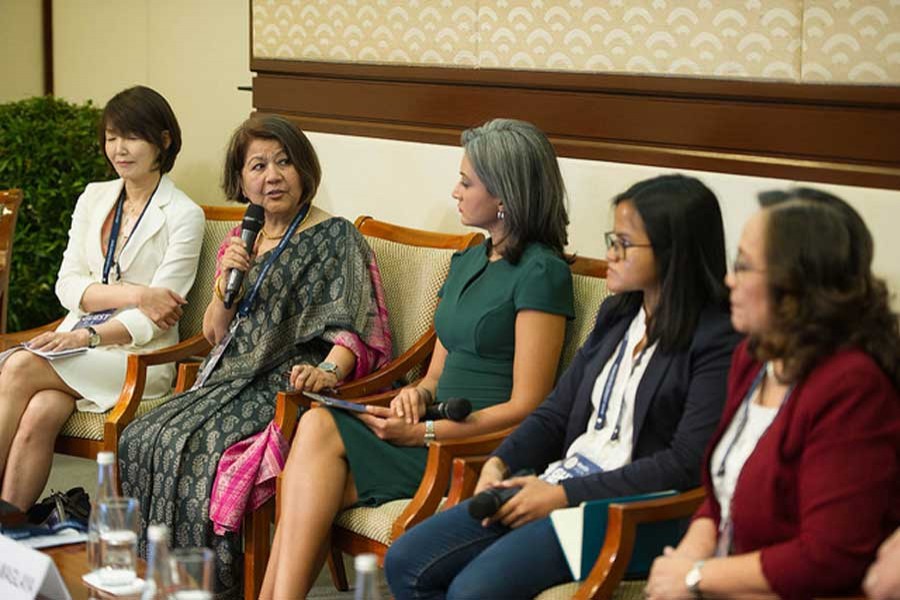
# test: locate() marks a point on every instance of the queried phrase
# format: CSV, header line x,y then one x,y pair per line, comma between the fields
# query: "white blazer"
x,y
162,252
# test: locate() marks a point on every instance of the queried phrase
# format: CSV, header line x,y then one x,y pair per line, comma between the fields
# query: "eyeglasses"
x,y
620,246
740,266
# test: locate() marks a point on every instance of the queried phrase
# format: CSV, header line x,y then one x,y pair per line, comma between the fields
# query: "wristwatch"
x,y
93,337
693,578
429,432
329,367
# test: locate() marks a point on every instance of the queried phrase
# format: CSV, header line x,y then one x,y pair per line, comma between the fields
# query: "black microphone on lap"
x,y
454,409
485,504
250,226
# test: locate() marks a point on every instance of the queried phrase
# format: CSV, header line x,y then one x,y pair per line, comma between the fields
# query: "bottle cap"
x,y
106,458
157,533
365,562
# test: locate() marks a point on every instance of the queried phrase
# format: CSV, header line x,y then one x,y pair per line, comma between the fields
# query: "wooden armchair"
x,y
359,530
605,579
10,200
85,434
413,265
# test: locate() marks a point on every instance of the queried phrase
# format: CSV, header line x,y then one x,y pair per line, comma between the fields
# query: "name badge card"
x,y
26,574
576,465
93,319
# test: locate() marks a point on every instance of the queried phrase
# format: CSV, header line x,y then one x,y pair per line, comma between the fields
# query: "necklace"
x,y
278,237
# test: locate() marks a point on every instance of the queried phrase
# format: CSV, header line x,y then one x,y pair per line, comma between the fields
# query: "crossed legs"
x,y
34,406
316,484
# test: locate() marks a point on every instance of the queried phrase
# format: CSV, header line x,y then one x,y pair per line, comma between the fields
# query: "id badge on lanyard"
x,y
577,465
215,355
95,318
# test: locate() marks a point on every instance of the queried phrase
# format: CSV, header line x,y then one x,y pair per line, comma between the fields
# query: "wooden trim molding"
x,y
47,42
813,132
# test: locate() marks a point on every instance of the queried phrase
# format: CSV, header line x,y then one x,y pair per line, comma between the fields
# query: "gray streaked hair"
x,y
517,164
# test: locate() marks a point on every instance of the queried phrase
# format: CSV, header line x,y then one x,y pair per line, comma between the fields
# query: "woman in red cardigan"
x,y
802,475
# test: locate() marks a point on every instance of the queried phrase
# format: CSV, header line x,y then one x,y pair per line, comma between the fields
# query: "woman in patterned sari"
x,y
310,316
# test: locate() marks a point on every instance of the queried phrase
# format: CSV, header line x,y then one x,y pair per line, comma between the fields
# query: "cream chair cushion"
x,y
589,294
412,277
374,523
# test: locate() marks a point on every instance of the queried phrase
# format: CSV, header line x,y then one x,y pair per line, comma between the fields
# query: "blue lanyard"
x,y
114,233
247,303
745,416
600,423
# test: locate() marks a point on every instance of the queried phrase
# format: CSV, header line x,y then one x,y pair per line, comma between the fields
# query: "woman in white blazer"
x,y
132,256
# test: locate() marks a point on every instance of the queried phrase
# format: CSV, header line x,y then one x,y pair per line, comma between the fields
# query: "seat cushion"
x,y
89,425
627,590
374,523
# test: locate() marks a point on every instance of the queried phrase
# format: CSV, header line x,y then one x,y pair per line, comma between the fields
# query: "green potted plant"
x,y
48,148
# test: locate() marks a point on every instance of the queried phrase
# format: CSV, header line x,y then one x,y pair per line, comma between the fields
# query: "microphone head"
x,y
458,408
254,218
484,505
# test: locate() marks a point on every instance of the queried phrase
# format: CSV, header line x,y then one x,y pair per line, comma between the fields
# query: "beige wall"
x,y
795,40
409,183
22,66
195,53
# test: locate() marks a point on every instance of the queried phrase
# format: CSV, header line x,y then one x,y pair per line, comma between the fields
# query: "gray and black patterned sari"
x,y
318,288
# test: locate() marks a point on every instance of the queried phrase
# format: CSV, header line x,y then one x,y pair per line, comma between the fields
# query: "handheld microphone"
x,y
252,223
485,504
454,409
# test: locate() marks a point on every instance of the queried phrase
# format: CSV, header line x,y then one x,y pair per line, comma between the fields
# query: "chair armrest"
x,y
437,473
187,375
391,372
464,478
135,380
8,340
621,532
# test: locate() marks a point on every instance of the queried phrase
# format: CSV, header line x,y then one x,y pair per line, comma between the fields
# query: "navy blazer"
x,y
678,404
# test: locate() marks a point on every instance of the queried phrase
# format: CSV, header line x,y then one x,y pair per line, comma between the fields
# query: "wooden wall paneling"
x,y
830,133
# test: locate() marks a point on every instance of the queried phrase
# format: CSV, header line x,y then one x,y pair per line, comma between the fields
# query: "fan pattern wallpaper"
x,y
839,41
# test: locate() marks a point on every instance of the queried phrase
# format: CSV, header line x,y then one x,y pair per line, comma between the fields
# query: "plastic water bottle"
x,y
366,566
106,489
159,574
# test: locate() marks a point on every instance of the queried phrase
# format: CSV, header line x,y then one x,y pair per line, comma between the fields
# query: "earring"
x,y
501,214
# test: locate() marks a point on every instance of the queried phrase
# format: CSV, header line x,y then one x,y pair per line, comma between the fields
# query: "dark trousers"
x,y
450,555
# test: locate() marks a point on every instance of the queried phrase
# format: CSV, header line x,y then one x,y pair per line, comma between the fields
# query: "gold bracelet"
x,y
218,290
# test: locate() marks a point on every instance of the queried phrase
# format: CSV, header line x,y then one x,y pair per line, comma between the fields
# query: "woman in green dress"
x,y
500,328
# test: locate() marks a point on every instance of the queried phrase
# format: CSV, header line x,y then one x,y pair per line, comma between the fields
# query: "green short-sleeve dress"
x,y
475,322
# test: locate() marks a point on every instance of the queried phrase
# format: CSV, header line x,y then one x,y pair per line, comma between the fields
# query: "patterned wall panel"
x,y
430,32
852,41
731,38
810,40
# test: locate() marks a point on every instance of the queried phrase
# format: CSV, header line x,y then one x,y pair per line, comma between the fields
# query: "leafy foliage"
x,y
48,148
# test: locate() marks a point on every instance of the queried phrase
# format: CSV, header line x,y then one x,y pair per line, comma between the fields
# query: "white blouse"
x,y
598,445
758,420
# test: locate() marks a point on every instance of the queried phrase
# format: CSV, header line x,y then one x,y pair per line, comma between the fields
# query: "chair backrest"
x,y
589,287
413,265
9,210
219,221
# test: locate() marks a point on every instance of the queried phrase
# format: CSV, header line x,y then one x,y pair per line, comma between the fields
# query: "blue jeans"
x,y
451,555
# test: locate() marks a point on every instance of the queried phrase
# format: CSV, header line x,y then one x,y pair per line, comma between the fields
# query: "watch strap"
x,y
429,432
93,337
329,367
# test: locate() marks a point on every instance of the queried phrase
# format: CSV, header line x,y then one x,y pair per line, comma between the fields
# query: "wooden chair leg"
x,y
257,543
337,570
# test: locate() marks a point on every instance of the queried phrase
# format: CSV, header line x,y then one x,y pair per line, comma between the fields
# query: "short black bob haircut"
x,y
143,113
684,223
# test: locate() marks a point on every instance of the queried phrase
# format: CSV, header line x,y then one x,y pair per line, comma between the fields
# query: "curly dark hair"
x,y
824,297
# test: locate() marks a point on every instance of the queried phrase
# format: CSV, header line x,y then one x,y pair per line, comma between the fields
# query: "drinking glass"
x,y
119,522
192,574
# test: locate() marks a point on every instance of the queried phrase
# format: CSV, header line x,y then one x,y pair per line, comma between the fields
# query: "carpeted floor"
x,y
69,472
